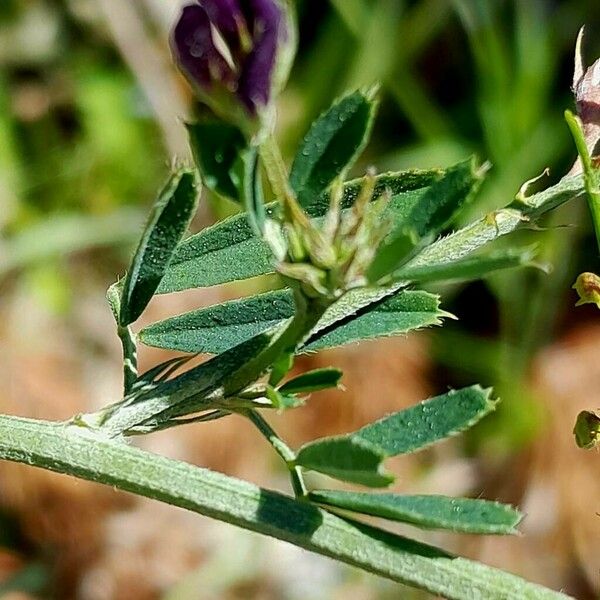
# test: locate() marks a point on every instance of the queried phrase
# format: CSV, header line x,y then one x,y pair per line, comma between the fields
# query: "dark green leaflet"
x,y
166,225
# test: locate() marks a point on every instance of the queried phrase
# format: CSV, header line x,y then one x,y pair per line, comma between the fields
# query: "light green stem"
x,y
278,178
591,174
275,167
283,450
76,451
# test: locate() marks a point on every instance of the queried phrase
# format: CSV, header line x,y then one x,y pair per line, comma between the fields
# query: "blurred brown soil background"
x,y
104,545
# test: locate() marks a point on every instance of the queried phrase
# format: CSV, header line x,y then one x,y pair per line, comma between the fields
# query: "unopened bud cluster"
x,y
332,257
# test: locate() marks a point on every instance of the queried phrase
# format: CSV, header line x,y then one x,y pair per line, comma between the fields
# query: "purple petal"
x,y
226,16
223,13
268,29
266,11
194,49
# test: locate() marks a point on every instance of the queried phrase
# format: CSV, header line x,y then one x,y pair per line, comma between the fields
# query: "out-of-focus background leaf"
x,y
91,114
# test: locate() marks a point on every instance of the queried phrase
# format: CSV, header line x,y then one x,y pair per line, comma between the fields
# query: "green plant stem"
x,y
278,178
590,173
275,166
79,452
130,371
253,192
308,313
286,453
126,335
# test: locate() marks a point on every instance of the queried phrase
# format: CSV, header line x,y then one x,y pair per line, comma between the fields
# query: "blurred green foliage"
x,y
78,144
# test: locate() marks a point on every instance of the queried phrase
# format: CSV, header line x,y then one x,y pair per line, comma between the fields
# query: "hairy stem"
x,y
78,452
127,337
130,371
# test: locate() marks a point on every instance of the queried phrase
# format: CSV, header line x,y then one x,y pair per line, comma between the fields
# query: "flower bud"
x,y
236,54
587,287
331,258
586,88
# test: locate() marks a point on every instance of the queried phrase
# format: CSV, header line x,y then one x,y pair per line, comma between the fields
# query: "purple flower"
x,y
235,52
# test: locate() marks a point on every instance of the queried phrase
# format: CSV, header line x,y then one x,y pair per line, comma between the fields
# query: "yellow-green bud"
x,y
588,288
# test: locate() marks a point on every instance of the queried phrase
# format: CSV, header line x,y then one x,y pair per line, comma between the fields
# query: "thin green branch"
x,y
590,173
79,452
286,453
277,175
126,335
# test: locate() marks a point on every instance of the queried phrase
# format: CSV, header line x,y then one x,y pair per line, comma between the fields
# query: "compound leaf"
x,y
218,328
357,457
230,251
